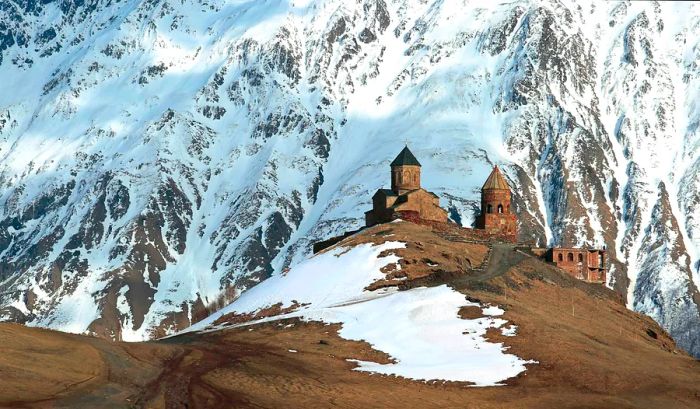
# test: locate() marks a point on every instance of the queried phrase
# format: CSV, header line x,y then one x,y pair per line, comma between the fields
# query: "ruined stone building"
x,y
406,197
495,214
584,264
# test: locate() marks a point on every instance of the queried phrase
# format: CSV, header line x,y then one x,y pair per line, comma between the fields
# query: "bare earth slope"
x,y
591,350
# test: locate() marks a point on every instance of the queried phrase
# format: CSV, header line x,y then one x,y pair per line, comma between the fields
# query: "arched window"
x,y
415,178
561,257
580,258
570,257
489,209
500,208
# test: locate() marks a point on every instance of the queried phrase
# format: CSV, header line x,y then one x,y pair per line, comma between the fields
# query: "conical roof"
x,y
405,158
496,181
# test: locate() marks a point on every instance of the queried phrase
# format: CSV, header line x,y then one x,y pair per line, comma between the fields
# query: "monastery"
x,y
405,197
407,200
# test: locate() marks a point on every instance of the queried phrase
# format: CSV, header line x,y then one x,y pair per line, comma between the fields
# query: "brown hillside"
x,y
592,351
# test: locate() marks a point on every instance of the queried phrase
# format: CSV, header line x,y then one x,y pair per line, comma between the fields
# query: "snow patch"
x,y
509,331
419,328
493,310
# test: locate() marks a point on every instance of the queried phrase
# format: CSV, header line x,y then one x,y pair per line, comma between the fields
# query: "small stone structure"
x,y
405,195
584,264
495,214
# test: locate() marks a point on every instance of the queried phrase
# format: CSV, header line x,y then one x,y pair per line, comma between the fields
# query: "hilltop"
x,y
562,342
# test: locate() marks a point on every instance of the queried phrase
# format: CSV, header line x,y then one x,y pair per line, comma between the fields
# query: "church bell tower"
x,y
495,214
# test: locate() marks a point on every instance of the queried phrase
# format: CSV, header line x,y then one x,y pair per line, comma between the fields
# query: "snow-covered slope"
x,y
419,328
159,158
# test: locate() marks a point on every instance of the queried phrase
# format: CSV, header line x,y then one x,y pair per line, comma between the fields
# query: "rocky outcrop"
x,y
664,288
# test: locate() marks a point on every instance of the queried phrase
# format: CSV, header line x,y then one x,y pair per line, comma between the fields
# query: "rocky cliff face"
x,y
159,158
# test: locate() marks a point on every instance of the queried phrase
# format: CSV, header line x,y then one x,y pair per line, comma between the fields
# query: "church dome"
x,y
405,158
495,181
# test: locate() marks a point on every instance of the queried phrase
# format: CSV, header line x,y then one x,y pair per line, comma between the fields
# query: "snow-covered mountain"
x,y
159,158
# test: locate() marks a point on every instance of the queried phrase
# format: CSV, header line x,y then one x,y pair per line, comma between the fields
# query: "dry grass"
x,y
426,253
42,364
592,353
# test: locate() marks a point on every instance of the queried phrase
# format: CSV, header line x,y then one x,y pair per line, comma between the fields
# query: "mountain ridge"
x,y
160,159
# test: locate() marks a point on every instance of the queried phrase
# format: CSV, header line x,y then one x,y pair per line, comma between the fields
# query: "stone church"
x,y
495,214
405,197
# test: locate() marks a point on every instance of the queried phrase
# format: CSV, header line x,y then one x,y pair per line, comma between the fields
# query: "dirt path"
x,y
502,258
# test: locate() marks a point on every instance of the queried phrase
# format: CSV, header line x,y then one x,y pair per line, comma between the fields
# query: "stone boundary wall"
x,y
322,245
451,227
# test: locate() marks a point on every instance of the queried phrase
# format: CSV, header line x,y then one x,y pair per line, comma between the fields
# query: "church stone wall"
x,y
425,204
583,264
505,224
494,199
405,178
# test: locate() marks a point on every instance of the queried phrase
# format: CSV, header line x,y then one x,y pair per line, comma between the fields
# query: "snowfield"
x,y
419,328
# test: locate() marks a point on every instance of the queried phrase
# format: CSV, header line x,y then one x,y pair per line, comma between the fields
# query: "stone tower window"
x,y
561,257
570,257
489,209
580,258
500,208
